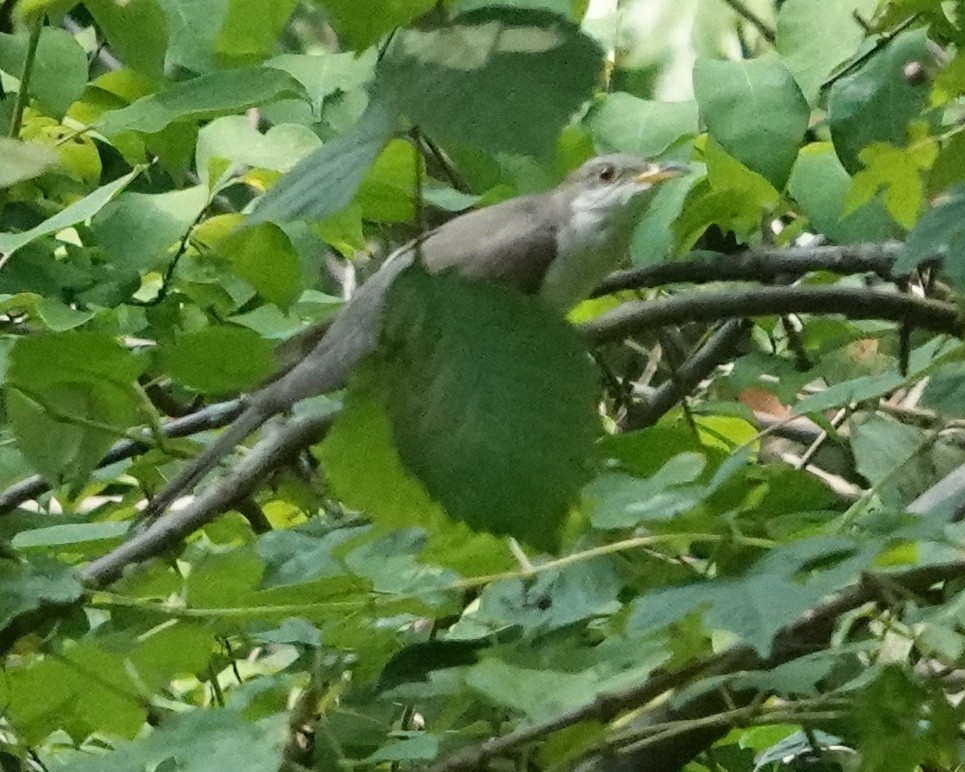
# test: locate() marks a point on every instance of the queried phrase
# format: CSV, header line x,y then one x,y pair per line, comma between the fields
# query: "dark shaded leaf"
x,y
452,82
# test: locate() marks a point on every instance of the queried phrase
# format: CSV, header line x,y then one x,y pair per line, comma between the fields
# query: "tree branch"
x,y
759,266
211,417
168,531
697,367
635,317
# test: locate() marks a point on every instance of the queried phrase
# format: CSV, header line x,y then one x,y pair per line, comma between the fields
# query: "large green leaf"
x,y
59,72
876,102
193,28
264,256
755,110
203,97
191,742
234,139
452,82
25,586
491,400
341,163
814,38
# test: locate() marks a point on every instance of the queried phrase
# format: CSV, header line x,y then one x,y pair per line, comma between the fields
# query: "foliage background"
x,y
748,557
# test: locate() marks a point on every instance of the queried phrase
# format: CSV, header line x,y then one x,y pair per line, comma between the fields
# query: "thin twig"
x,y
753,19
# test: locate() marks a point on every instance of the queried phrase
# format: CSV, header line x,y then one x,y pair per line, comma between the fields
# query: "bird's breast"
x,y
587,250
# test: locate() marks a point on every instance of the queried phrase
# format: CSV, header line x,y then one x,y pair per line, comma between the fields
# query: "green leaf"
x,y
876,103
363,22
896,171
462,355
643,127
233,138
193,28
251,28
208,360
137,230
23,160
813,39
193,739
77,212
59,72
945,390
901,723
850,391
939,234
535,693
451,82
26,586
70,397
74,534
201,98
337,85
733,197
136,30
820,185
653,238
757,605
552,600
362,462
342,163
387,194
616,500
755,110
892,456
264,257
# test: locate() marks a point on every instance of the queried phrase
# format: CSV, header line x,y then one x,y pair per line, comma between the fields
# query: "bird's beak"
x,y
659,172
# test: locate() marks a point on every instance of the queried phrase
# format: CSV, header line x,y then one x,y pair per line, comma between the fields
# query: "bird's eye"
x,y
607,173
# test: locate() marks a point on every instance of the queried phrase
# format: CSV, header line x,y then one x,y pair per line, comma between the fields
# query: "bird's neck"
x,y
590,244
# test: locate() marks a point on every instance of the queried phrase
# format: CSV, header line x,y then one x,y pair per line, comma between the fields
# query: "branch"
x,y
211,417
169,531
686,378
759,266
637,316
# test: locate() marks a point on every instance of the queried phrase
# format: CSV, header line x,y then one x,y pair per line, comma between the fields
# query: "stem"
x,y
753,19
28,64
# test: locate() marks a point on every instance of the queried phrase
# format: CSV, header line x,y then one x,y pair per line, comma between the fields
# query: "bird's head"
x,y
618,185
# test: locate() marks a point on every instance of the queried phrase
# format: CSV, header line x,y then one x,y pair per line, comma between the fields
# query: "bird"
x,y
556,245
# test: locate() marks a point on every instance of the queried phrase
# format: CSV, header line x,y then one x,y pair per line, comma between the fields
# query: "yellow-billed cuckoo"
x,y
557,245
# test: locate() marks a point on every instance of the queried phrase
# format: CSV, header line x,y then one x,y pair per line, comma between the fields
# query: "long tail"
x,y
246,423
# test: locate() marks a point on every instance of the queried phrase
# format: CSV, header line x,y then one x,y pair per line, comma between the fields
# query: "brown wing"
x,y
511,243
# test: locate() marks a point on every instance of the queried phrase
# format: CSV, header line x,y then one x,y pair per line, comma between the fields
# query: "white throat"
x,y
591,244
